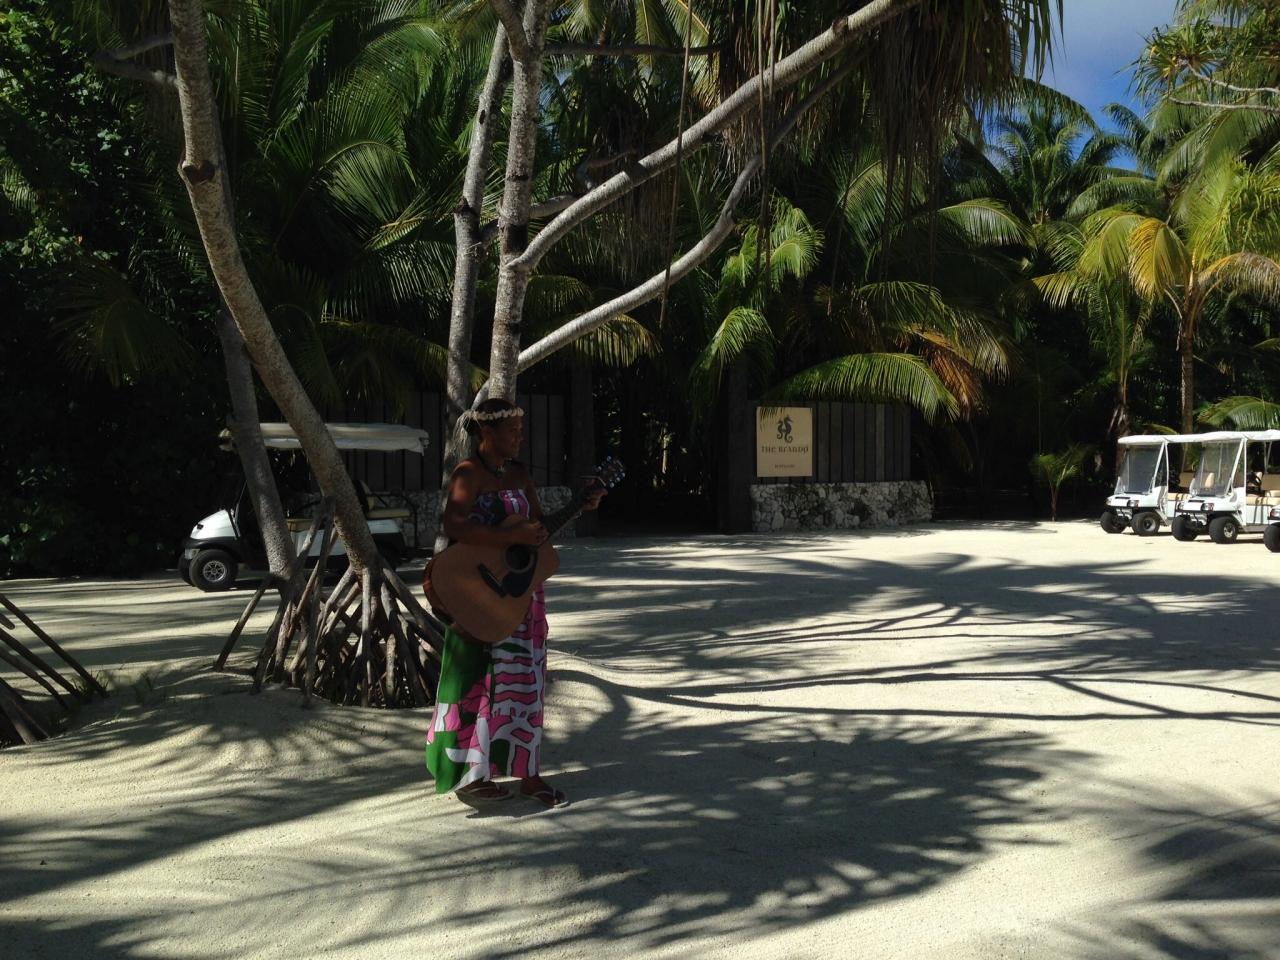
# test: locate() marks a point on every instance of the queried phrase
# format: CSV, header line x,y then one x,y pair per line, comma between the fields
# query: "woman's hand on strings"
x,y
528,532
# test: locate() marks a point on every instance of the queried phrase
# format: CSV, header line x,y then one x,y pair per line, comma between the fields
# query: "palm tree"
x,y
1055,469
340,123
1220,236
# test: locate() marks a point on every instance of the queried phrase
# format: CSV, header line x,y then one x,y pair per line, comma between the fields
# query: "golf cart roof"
x,y
1217,436
384,437
1156,438
1235,436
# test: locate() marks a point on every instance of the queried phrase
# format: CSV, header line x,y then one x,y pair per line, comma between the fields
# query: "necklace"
x,y
497,471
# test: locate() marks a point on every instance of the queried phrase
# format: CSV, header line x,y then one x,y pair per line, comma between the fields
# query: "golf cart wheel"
x,y
1224,529
1271,537
1182,529
1111,522
1146,524
213,570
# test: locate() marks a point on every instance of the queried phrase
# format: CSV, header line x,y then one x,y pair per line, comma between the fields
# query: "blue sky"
x,y
1100,38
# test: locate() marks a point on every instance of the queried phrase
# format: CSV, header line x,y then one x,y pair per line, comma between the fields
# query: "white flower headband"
x,y
493,415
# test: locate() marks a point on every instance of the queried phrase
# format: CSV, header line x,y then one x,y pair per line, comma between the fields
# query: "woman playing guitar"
x,y
488,715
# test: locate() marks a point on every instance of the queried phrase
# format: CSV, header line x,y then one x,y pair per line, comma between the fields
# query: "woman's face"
x,y
505,437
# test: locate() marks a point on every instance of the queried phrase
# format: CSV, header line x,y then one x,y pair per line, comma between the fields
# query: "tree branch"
x,y
651,288
1210,78
117,61
626,50
1265,108
803,61
539,211
581,173
511,22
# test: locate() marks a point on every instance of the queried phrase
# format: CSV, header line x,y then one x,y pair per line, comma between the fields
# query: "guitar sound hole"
x,y
520,558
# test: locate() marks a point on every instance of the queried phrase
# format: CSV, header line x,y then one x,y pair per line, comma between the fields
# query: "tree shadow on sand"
x,y
1216,870
763,624
703,808
679,829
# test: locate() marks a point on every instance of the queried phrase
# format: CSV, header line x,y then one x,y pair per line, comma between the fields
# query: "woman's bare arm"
x,y
464,490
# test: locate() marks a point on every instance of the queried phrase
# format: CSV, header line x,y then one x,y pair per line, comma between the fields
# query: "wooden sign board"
x,y
784,442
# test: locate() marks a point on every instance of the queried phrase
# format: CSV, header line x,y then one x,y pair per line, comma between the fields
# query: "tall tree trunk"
x,y
1187,382
517,198
466,230
736,442
1118,427
208,189
582,447
467,258
264,495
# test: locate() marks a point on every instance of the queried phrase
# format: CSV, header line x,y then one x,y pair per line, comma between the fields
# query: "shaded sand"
x,y
950,741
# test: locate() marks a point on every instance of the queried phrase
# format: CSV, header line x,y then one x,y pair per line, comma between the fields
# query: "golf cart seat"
x,y
389,513
1179,490
1269,493
376,509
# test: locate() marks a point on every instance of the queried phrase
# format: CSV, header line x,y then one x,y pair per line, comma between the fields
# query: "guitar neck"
x,y
558,521
608,472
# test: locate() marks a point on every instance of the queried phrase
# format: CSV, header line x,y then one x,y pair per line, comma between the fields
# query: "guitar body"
x,y
487,590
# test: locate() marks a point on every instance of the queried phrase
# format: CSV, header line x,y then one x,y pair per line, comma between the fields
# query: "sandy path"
x,y
961,742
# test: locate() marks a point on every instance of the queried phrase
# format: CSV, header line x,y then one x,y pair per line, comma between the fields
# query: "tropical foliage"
x,y
1026,277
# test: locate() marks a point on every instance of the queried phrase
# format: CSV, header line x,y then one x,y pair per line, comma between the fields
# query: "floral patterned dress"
x,y
488,716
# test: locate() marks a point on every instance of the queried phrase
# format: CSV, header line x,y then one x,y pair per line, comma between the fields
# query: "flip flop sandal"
x,y
547,796
488,792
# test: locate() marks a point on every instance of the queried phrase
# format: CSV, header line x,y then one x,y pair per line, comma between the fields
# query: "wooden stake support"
x,y
366,641
21,719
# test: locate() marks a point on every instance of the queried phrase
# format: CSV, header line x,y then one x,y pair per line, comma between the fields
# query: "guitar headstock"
x,y
607,474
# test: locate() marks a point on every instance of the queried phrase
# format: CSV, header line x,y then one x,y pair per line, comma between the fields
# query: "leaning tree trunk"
x,y
264,495
348,645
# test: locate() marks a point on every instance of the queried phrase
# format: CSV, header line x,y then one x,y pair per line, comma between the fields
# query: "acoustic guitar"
x,y
487,590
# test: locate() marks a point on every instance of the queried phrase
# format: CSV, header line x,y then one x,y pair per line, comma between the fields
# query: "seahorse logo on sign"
x,y
784,429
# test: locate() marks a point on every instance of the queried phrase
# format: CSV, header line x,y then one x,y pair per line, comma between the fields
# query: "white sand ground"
x,y
1031,741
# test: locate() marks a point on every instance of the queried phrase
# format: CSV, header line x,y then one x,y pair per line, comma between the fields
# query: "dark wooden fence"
x,y
545,443
857,443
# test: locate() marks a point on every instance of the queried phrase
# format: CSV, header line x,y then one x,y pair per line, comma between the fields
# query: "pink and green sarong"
x,y
487,721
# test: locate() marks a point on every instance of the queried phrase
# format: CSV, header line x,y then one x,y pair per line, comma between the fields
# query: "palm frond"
x,y
870,377
1158,260
985,222
1241,413
108,330
1062,290
617,343
1252,274
1133,192
742,336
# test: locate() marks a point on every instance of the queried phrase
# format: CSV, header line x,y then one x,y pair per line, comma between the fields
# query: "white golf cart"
x,y
1235,488
1145,493
228,539
1271,535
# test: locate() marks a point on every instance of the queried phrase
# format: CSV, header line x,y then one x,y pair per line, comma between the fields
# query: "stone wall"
x,y
838,506
428,504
